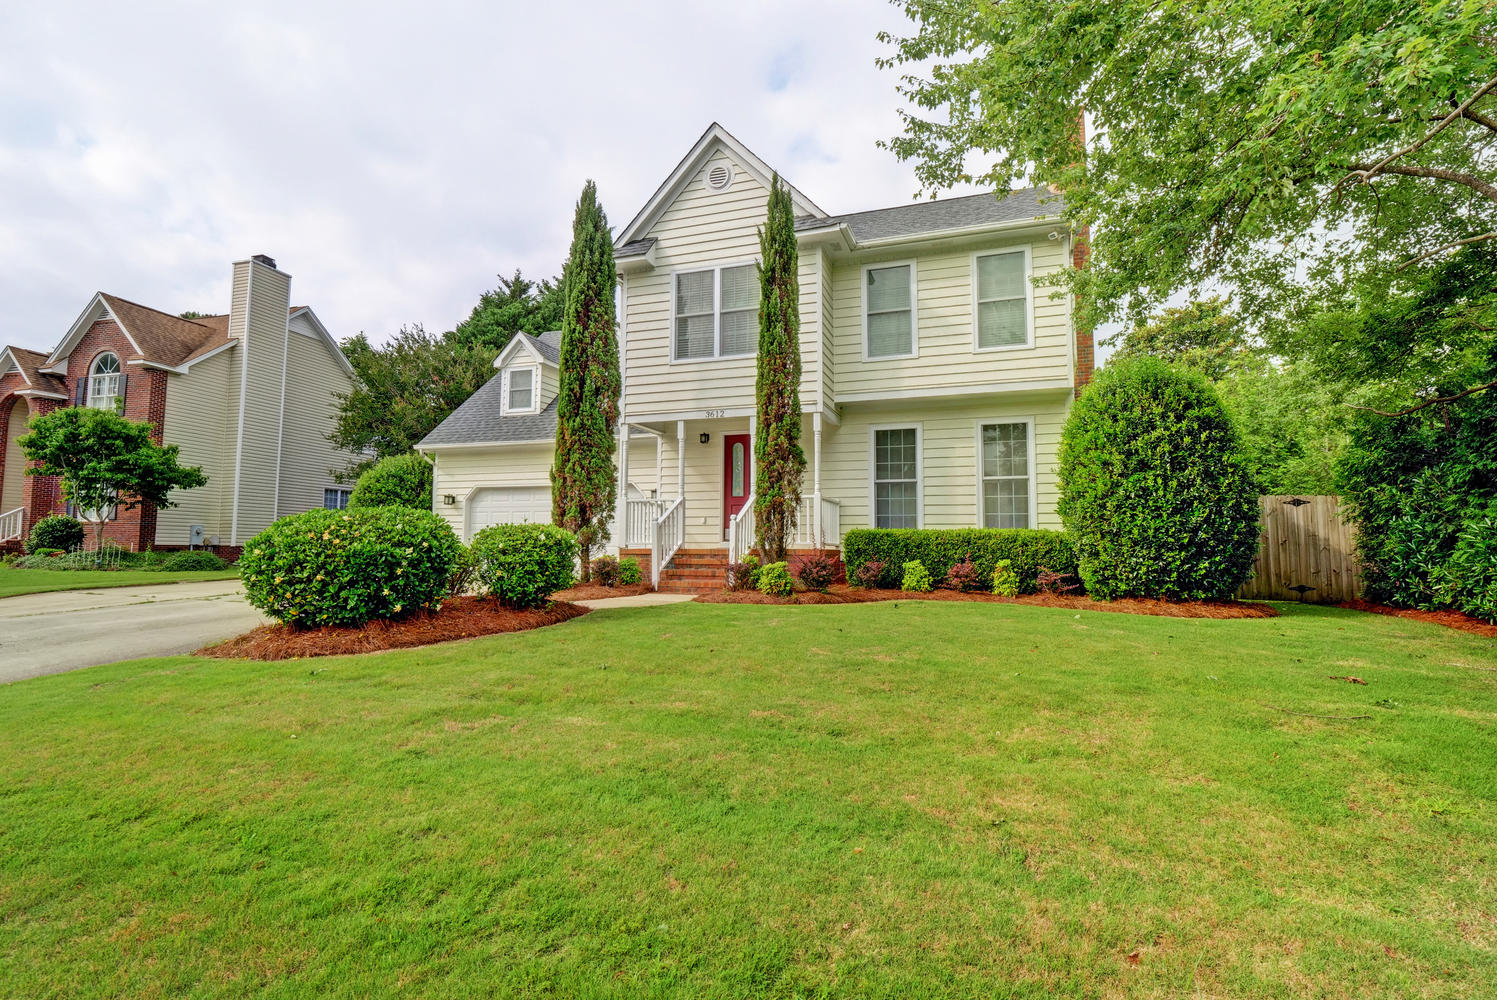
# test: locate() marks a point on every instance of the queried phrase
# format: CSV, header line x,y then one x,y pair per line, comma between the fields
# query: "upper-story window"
x,y
716,312
1000,294
889,311
519,390
104,382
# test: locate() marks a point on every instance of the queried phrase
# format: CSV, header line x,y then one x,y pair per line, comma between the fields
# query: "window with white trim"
x,y
519,390
896,478
1003,474
335,498
1001,292
716,312
889,311
104,382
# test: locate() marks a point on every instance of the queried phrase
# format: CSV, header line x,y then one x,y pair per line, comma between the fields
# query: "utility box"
x,y
195,536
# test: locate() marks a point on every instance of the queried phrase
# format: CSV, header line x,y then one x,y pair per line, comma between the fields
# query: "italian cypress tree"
x,y
778,458
584,484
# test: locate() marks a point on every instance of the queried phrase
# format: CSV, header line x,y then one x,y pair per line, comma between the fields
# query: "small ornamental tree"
x,y
778,459
584,484
104,460
397,481
1153,487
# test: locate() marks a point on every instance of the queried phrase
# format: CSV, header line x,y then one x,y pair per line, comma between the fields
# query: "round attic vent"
x,y
719,177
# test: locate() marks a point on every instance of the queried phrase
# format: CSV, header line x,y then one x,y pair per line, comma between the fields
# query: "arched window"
x,y
104,382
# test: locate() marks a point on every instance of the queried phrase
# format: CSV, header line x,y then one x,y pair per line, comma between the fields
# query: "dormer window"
x,y
104,382
519,390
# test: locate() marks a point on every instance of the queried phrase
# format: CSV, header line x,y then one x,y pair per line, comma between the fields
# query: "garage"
x,y
508,505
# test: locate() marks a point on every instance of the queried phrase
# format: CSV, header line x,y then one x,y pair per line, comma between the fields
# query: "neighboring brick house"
x,y
249,395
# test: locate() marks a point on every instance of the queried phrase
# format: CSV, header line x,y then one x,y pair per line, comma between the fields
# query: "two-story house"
x,y
249,395
936,374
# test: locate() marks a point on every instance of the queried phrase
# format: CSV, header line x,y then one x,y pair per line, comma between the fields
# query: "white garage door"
x,y
508,505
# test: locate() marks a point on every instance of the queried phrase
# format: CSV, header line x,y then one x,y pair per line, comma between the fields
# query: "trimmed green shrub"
x,y
1154,491
397,481
1472,571
191,561
464,572
345,567
606,571
524,564
1005,580
916,577
817,572
939,549
629,572
55,531
775,580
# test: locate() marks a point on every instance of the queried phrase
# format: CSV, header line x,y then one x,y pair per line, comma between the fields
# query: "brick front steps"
x,y
703,571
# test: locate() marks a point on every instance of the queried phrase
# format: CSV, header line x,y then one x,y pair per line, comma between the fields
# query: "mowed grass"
x,y
39,581
888,800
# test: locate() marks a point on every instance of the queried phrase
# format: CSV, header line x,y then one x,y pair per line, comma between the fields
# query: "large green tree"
x,y
104,460
779,461
1280,148
1204,335
403,390
584,482
518,305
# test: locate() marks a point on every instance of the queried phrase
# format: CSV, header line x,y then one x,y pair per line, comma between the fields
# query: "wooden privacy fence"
x,y
1306,552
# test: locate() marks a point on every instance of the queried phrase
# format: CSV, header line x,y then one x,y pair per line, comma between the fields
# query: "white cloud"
x,y
394,157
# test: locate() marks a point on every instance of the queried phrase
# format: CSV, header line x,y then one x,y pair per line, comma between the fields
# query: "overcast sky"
x,y
394,158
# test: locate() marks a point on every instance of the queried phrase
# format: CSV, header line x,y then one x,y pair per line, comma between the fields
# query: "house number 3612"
x,y
715,414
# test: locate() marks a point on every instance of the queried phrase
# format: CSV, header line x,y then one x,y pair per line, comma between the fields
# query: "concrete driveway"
x,y
51,633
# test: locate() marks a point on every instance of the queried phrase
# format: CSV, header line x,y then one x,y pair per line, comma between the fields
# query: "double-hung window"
x,y
889,311
716,313
335,498
896,477
519,390
1000,293
1003,472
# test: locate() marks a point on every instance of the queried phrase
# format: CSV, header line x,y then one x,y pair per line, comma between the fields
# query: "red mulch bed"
x,y
1450,619
593,592
460,618
842,594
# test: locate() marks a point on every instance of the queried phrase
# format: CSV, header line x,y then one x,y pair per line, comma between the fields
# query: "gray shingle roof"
x,y
549,344
634,248
925,217
479,421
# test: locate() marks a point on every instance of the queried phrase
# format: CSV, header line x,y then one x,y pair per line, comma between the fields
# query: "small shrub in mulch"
x,y
1450,619
1131,605
459,618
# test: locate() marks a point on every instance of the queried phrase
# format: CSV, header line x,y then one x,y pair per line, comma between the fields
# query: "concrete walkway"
x,y
52,633
636,601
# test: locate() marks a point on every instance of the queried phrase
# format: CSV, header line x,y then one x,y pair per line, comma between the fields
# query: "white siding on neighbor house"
x,y
944,314
461,471
263,349
701,228
200,413
313,377
948,438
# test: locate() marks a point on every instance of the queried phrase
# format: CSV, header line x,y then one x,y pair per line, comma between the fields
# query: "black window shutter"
x,y
124,383
82,390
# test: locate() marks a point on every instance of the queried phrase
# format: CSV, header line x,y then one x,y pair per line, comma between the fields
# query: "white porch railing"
x,y
741,532
830,525
10,524
639,521
667,538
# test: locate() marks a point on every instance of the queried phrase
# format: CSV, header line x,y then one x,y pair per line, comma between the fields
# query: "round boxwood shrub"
x,y
629,572
524,564
191,561
397,481
1153,488
55,531
775,580
345,567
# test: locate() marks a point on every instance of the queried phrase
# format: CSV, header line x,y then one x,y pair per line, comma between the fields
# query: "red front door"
x,y
738,476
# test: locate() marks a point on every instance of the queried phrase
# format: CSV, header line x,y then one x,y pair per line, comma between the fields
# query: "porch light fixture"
x,y
704,437
448,500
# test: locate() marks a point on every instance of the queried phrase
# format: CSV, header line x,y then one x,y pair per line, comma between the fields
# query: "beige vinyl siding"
x,y
460,471
701,228
944,315
313,377
13,489
948,473
264,348
827,332
228,441
198,419
550,385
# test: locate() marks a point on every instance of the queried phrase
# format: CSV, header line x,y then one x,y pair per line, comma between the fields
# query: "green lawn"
x,y
888,800
37,581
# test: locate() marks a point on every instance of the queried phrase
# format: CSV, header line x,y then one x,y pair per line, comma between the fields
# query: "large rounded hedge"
x,y
397,481
55,531
524,564
344,567
1153,487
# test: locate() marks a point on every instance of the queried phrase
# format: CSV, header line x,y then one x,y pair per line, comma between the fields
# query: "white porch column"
x,y
659,464
621,519
818,532
680,458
